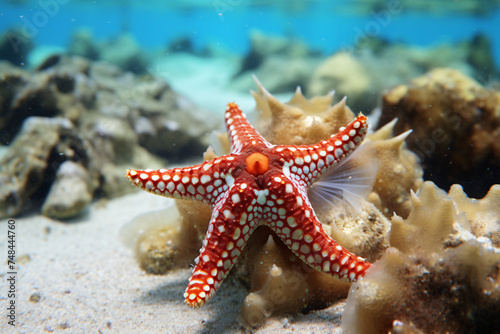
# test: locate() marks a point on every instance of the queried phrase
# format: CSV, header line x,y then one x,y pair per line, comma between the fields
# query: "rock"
x,y
49,92
124,52
346,75
181,44
480,56
263,46
116,120
15,46
82,44
70,193
294,72
29,165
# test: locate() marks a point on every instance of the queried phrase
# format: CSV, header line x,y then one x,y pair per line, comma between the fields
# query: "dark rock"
x,y
14,47
480,56
181,44
124,52
263,46
82,44
456,128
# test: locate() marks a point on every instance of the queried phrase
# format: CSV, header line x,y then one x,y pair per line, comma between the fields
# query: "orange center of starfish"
x,y
257,163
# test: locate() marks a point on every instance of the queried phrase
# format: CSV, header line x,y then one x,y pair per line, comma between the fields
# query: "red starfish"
x,y
259,184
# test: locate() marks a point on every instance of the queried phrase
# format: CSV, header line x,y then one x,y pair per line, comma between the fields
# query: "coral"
x,y
279,282
269,55
262,47
293,72
299,121
363,70
399,172
456,122
483,215
167,239
436,277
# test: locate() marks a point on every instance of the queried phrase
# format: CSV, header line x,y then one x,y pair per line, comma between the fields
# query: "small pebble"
x,y
35,297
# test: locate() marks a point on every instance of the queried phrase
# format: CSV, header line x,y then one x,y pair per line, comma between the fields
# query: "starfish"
x,y
259,183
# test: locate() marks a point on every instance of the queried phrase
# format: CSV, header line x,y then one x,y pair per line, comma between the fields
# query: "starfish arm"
x,y
240,131
229,229
308,162
304,235
204,182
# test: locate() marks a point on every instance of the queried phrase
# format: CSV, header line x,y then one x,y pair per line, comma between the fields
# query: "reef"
x,y
266,267
74,122
365,69
456,127
441,274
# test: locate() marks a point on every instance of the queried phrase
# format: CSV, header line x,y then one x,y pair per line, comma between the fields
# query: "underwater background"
x,y
90,89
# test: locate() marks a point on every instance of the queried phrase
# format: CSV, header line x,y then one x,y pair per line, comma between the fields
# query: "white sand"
x,y
90,283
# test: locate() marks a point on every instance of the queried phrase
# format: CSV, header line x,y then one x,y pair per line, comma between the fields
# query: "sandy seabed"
x,y
89,282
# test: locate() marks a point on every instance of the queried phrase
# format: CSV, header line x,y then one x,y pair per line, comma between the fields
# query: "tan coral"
x,y
364,232
399,172
431,222
427,280
280,282
299,121
483,215
169,238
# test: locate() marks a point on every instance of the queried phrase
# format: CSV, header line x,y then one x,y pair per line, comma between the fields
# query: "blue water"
x,y
319,24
